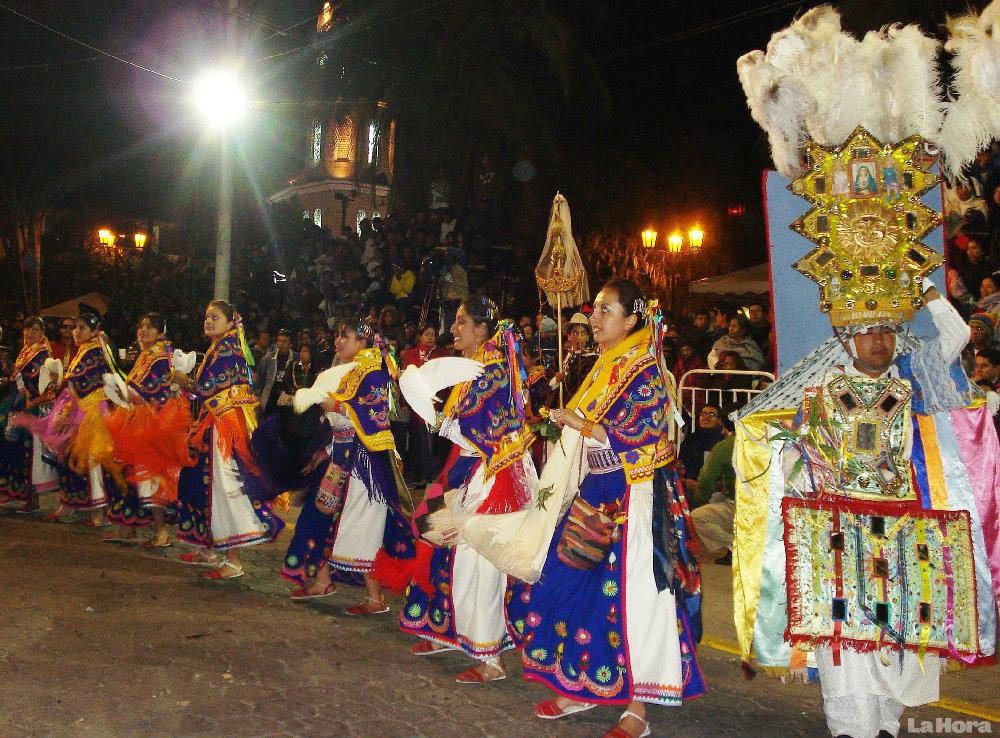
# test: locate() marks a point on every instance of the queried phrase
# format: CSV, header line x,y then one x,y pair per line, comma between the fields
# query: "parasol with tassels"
x,y
560,273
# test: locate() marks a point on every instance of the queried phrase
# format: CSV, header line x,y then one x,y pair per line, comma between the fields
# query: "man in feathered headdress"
x,y
866,471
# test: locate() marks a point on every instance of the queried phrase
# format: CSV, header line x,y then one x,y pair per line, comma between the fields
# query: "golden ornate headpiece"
x,y
867,222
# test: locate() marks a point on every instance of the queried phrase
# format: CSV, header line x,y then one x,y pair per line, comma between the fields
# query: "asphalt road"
x,y
99,639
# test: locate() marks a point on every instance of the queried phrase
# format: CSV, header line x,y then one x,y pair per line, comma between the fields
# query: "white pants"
x,y
864,695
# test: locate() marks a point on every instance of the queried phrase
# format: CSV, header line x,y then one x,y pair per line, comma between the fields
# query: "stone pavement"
x,y
103,640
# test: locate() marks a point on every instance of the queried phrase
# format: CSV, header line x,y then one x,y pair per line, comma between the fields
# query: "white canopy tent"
x,y
755,280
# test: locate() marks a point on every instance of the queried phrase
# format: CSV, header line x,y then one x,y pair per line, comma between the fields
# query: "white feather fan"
x,y
420,384
51,374
116,390
326,382
183,361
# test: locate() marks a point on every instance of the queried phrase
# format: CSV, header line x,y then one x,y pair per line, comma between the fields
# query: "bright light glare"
x,y
220,97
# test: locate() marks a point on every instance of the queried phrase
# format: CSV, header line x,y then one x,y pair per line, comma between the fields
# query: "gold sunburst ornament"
x,y
868,222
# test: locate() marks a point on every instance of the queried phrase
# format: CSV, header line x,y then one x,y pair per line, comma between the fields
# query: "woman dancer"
x,y
602,626
361,493
150,438
88,474
23,473
215,513
488,471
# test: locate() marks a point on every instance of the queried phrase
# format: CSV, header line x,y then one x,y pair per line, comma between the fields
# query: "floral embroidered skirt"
x,y
606,635
88,491
214,511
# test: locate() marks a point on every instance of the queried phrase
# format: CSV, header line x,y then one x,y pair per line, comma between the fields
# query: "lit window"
x,y
325,20
318,217
305,215
361,217
376,215
372,135
317,142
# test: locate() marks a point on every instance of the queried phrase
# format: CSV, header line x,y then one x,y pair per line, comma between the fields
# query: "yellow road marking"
x,y
951,704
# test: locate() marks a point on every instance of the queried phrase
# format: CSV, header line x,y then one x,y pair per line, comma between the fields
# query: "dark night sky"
x,y
121,138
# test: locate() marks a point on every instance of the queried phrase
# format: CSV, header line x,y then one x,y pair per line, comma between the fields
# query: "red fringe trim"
x,y
152,442
748,671
437,488
395,574
509,492
232,436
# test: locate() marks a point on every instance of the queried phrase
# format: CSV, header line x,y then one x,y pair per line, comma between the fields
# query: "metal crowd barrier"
x,y
689,395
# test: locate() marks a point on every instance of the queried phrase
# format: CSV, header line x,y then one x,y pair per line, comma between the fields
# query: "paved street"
x,y
102,640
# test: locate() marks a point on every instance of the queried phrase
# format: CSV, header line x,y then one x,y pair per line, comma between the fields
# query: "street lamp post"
x,y
675,245
222,102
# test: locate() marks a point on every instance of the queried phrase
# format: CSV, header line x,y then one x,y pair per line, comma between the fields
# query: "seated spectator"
x,y
981,332
973,266
402,282
739,342
719,323
758,326
687,360
733,386
989,297
700,333
695,447
715,498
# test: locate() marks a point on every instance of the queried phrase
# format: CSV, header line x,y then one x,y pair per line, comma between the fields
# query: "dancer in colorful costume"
x,y
215,511
489,471
606,622
867,476
150,428
23,472
88,471
361,506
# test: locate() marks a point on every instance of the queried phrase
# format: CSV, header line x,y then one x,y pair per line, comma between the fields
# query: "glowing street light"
x,y
675,242
140,241
649,238
106,238
695,237
219,97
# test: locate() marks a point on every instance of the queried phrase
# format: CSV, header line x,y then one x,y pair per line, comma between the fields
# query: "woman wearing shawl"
x,y
23,473
362,505
150,438
489,471
88,472
602,625
215,513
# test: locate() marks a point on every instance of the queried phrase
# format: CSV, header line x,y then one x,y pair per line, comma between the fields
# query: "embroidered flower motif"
x,y
603,674
508,596
437,616
584,659
582,637
444,588
519,625
533,619
413,610
539,654
292,560
613,614
621,660
614,640
526,596
401,547
610,588
560,629
632,456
